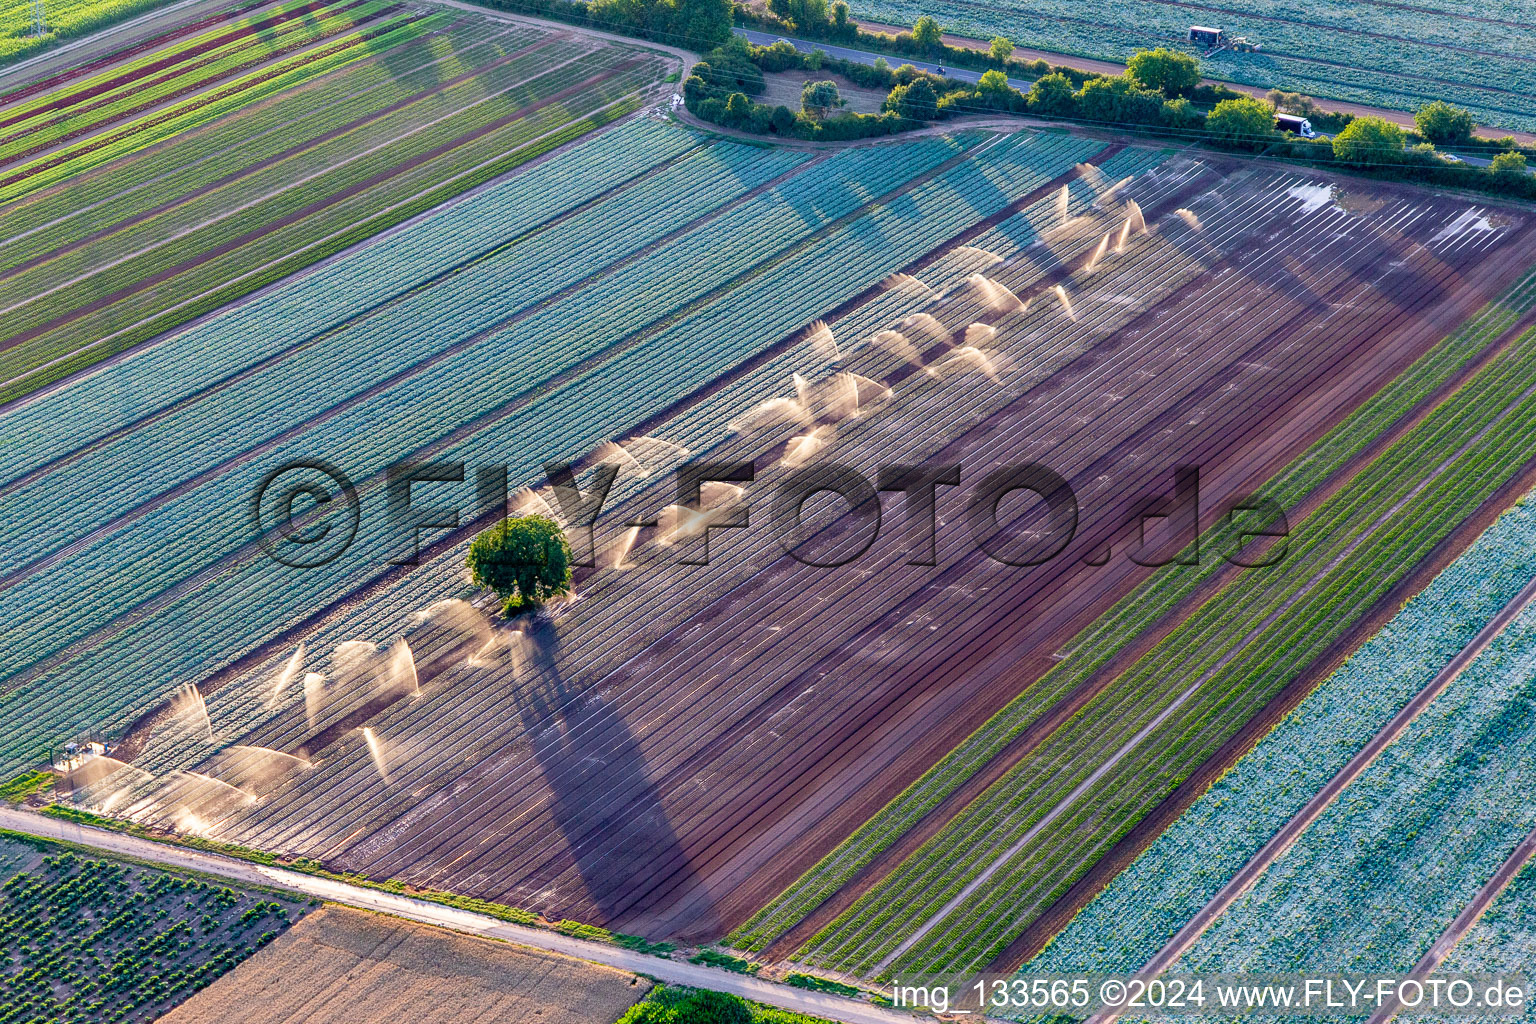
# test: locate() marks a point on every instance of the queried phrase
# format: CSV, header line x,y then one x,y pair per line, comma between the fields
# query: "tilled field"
x,y
681,742
144,191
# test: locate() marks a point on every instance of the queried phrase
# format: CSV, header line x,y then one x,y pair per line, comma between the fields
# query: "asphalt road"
x,y
865,57
817,1004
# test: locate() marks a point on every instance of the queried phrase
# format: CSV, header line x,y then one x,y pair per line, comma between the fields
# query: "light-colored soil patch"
x,y
346,966
784,88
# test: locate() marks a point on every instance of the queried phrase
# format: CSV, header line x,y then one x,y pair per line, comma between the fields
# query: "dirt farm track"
x,y
673,749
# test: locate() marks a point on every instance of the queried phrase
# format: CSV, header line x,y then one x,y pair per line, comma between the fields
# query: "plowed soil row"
x,y
724,758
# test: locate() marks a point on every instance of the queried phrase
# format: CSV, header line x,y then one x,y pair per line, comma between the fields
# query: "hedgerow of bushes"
x,y
1160,94
676,1005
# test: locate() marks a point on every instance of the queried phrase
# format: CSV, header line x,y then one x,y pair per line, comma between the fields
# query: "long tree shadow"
x,y
620,838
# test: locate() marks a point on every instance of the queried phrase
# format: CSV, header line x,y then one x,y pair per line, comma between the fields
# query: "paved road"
x,y
798,1000
865,57
1282,841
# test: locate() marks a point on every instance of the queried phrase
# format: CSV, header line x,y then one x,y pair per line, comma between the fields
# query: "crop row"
x,y
62,285
353,287
1086,654
1122,928
674,358
247,137
1233,678
1379,55
1033,788
567,107
90,940
405,338
464,389
1383,871
90,113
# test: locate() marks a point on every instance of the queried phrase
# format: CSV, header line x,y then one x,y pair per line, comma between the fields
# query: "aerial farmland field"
x,y
1024,276
1381,54
448,471
150,191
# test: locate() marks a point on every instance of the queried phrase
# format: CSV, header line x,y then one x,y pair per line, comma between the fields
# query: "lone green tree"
x,y
1444,124
1000,49
1164,70
926,33
818,99
1244,123
1369,140
526,560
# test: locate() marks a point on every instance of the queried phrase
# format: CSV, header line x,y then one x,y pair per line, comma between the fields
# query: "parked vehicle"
x,y
1295,125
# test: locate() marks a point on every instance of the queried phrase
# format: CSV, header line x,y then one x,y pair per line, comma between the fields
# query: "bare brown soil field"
x,y
673,748
346,966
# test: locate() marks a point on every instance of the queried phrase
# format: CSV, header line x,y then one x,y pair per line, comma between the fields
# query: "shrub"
x,y
1163,70
526,560
1369,140
1508,163
1444,124
1244,123
818,99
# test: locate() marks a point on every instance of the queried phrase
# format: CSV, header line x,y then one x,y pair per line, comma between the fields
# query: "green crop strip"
x,y
1239,649
1131,616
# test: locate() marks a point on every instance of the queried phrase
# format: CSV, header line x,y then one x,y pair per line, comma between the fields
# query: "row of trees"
x,y
695,24
1161,92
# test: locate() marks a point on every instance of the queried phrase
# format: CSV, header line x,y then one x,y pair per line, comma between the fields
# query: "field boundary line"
x,y
321,242
1464,921
287,154
1292,830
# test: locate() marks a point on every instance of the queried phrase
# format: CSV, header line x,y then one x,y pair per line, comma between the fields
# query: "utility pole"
x,y
39,17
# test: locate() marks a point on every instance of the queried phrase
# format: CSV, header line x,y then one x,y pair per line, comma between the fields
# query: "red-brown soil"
x,y
685,741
